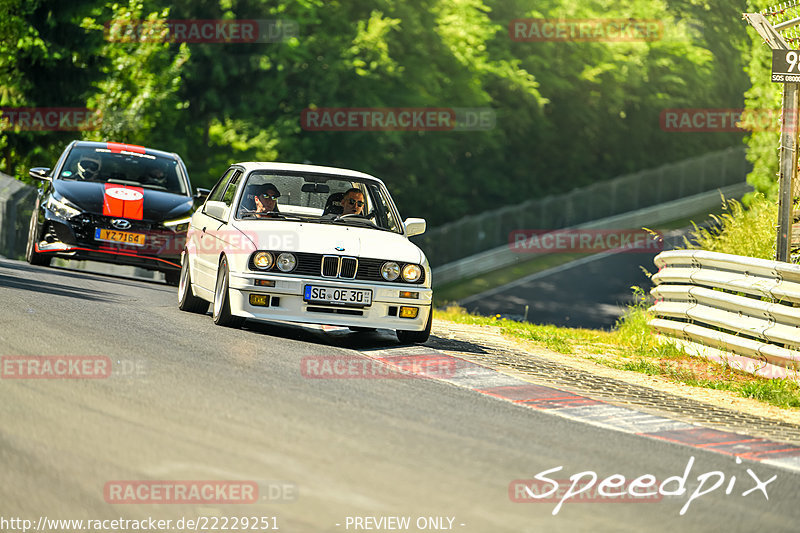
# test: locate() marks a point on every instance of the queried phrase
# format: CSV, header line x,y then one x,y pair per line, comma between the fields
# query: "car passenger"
x,y
353,202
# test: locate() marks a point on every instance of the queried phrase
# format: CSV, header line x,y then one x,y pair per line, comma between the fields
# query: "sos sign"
x,y
786,66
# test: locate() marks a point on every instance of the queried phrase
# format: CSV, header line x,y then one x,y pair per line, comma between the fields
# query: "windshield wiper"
x,y
364,222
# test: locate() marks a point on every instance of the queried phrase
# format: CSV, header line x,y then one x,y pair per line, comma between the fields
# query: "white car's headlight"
x,y
412,273
263,260
286,262
62,208
179,225
390,271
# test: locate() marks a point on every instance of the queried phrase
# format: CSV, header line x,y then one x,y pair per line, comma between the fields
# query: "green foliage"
x,y
137,97
780,392
739,230
762,99
567,113
636,337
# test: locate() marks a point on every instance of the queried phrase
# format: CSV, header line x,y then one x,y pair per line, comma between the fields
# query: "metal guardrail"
x,y
737,310
505,255
16,204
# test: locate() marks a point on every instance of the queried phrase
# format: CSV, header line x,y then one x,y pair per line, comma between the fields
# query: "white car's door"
x,y
209,228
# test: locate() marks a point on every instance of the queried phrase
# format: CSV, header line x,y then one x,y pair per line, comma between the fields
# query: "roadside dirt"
x,y
488,346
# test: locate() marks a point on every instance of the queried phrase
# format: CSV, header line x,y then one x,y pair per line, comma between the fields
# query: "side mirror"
x,y
415,226
40,173
201,194
217,210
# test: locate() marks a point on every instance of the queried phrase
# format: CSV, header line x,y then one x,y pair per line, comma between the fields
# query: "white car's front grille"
x,y
334,266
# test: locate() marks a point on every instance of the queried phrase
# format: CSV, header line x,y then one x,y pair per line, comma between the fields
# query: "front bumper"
x,y
286,302
74,239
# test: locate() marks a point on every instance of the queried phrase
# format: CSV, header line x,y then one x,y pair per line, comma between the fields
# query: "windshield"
x,y
126,168
317,198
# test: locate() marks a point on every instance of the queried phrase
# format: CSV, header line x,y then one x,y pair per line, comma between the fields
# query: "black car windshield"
x,y
318,198
100,164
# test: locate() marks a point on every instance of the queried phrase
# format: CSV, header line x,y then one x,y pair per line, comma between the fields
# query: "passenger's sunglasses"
x,y
359,203
270,196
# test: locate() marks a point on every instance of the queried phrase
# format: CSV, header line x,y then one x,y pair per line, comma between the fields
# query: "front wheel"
x,y
31,255
187,301
222,301
416,337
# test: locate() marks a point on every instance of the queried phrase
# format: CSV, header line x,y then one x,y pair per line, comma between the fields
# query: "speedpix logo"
x,y
585,486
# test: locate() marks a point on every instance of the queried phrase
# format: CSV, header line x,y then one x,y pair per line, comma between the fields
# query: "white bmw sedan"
x,y
308,244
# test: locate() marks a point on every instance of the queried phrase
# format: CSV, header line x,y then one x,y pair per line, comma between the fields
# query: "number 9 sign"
x,y
786,66
791,59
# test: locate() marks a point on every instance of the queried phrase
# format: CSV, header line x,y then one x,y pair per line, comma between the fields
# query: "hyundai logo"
x,y
120,223
339,249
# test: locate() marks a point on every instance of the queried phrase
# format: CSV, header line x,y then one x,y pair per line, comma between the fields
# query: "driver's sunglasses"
x,y
359,203
270,196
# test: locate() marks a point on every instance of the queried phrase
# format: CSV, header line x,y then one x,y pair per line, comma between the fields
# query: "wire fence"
x,y
474,234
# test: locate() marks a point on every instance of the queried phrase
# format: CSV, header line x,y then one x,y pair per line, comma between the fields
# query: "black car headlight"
x,y
178,225
62,208
390,271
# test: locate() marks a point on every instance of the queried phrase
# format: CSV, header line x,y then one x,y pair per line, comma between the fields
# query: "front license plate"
x,y
336,296
126,237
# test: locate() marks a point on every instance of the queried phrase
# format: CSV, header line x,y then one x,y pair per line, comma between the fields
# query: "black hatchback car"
x,y
115,203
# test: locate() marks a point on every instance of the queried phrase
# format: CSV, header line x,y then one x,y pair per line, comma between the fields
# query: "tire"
x,y
187,301
222,301
416,337
31,255
172,277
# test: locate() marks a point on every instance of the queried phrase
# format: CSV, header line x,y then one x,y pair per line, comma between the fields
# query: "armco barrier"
x,y
16,204
733,309
503,256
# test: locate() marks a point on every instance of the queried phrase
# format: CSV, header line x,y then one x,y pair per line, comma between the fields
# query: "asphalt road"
x,y
592,292
190,401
